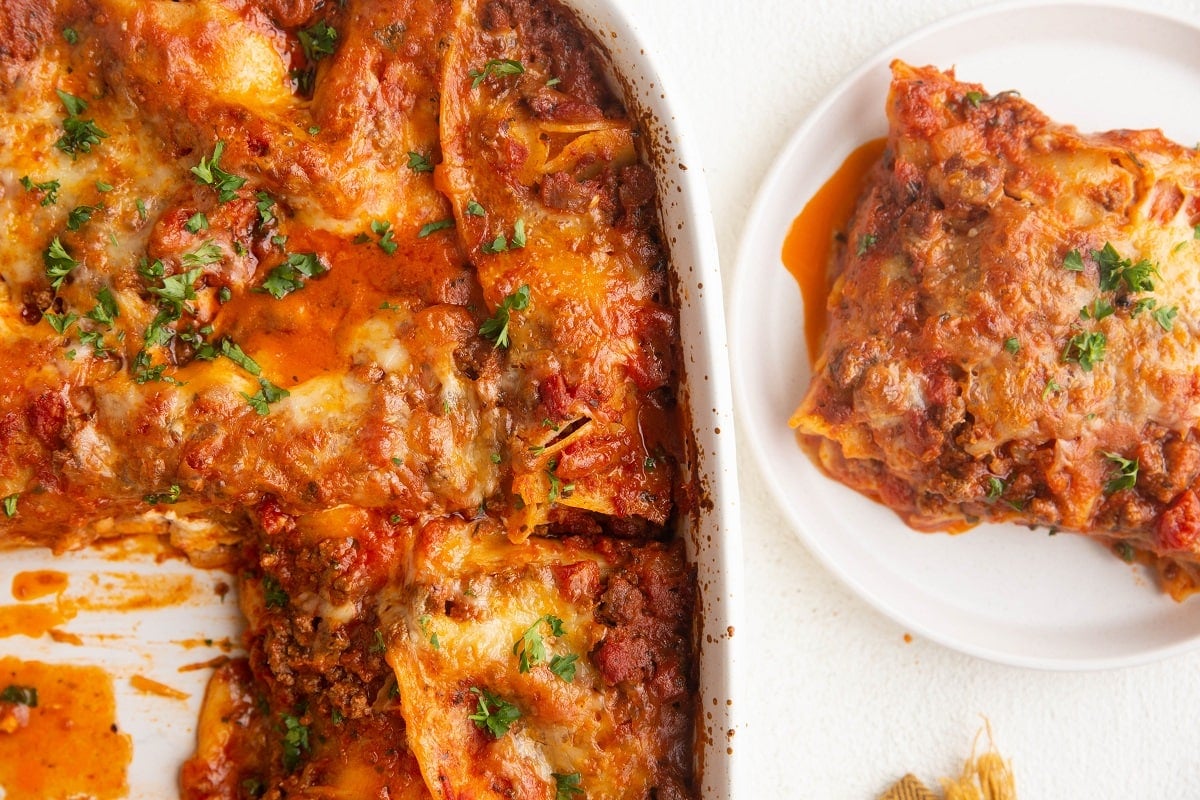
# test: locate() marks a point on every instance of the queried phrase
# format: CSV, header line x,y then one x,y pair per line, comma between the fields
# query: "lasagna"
x,y
365,301
1012,327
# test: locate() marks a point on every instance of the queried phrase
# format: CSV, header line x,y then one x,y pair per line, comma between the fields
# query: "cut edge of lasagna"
x,y
1013,326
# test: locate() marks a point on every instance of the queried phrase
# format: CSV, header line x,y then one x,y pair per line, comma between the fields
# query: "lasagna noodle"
x,y
1012,326
260,314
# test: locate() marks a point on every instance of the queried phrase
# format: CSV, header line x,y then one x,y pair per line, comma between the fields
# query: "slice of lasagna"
x,y
1012,327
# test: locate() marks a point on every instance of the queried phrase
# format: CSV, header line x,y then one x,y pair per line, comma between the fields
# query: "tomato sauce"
x,y
809,242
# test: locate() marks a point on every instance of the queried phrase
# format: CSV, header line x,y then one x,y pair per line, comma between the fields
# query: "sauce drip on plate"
x,y
809,241
67,745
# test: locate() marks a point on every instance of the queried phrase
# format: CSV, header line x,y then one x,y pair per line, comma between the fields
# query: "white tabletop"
x,y
839,705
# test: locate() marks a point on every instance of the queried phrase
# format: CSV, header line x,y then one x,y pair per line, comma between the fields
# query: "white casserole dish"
x,y
156,642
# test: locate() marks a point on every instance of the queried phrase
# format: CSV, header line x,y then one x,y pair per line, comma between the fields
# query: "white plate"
x,y
999,592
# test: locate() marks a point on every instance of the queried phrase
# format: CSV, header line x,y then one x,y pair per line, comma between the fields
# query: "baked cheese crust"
x,y
1013,322
367,301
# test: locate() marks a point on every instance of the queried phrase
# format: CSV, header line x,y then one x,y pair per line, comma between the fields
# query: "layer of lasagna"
x,y
1013,326
365,301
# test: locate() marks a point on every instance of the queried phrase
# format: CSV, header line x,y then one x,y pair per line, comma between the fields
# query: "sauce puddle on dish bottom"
x,y
809,241
68,745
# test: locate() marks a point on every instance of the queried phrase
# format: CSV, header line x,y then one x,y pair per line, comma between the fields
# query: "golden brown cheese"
x,y
367,301
1012,327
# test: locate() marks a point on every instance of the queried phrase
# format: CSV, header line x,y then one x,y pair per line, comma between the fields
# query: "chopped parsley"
x,y
141,209
79,216
1125,551
475,209
49,189
974,98
1051,386
288,276
496,66
496,327
169,497
234,353
418,162
1165,317
1145,304
1073,262
1086,349
318,41
1126,474
558,489
58,263
501,243
295,742
995,487
79,135
434,227
495,715
566,787
176,290
387,241
265,206
60,322
103,188
273,594
71,35
10,506
209,173
1115,270
1099,309
530,649
378,645
267,394
865,243
1012,345
106,311
564,667
196,223
20,695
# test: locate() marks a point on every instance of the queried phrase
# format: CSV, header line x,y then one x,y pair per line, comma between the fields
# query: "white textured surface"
x,y
838,705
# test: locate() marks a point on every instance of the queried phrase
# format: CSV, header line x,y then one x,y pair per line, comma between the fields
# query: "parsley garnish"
x,y
496,327
268,393
234,353
1145,304
58,263
196,223
71,35
80,215
273,594
1114,270
495,715
1165,317
1073,261
106,310
265,206
1086,349
318,41
1099,309
865,243
1125,551
975,98
209,173
387,242
20,695
378,645
1012,345
1051,386
10,506
48,188
169,497
500,243
496,66
79,135
103,187
288,276
530,649
418,162
176,290
295,741
557,487
434,227
566,786
1127,472
995,487
564,667
60,322
474,209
